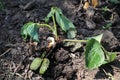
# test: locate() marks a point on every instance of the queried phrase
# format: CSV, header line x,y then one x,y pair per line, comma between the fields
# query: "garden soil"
x,y
65,64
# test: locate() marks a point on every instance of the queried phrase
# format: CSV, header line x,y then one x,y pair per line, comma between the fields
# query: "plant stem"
x,y
72,40
50,27
55,29
43,54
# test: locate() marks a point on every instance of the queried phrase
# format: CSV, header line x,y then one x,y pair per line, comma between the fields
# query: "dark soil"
x,y
16,54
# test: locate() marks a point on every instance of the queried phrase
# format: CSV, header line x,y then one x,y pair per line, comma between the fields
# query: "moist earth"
x,y
17,54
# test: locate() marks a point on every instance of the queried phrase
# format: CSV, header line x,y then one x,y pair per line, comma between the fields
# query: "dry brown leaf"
x,y
86,5
95,3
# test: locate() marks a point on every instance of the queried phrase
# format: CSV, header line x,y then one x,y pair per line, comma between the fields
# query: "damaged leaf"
x,y
65,24
50,14
30,29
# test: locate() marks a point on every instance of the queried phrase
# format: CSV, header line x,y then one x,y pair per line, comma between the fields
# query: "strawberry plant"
x,y
30,29
95,54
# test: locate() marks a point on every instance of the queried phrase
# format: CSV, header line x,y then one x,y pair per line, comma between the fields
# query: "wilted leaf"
x,y
94,55
50,14
30,30
65,24
35,64
44,66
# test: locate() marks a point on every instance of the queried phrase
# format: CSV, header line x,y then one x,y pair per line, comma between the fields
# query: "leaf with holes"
x,y
30,29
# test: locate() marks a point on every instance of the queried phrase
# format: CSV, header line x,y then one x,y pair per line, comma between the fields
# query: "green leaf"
x,y
35,64
109,56
98,37
50,14
65,24
112,56
30,29
44,66
94,55
115,1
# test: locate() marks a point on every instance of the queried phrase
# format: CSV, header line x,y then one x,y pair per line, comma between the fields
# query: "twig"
x,y
19,75
5,52
17,67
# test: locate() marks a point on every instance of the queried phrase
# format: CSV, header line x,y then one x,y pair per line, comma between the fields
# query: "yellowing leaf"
x,y
95,3
86,5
